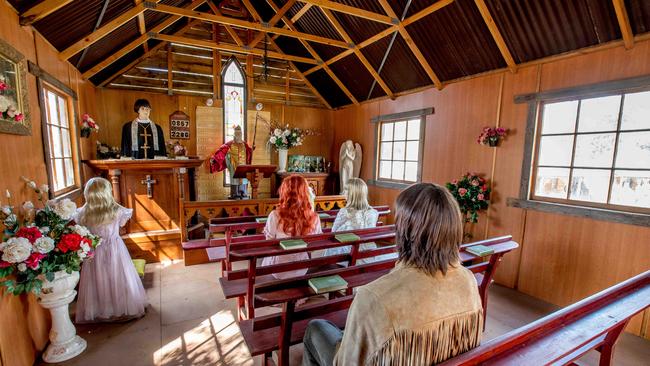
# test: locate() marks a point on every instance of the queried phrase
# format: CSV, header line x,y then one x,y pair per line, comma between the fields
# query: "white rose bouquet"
x,y
287,137
37,243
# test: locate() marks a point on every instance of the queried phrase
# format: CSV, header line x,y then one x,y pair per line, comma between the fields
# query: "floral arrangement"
x,y
7,108
88,125
491,136
104,151
39,242
285,138
472,194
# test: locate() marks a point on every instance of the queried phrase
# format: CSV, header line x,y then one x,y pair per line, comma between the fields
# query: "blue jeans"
x,y
321,338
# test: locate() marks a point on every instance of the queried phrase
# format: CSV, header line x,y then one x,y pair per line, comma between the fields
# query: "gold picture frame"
x,y
14,99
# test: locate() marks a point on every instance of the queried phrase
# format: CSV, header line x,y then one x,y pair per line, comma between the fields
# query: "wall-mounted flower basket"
x,y
491,136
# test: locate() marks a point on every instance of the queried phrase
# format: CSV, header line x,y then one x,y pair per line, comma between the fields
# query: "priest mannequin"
x,y
230,155
141,138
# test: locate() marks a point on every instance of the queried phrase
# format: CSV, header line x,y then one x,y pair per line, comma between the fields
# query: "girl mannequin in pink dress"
x,y
109,287
294,216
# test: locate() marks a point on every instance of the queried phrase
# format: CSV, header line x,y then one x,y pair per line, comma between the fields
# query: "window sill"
x,y
73,195
392,185
621,217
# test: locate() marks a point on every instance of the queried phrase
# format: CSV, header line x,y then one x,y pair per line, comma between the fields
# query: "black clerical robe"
x,y
142,129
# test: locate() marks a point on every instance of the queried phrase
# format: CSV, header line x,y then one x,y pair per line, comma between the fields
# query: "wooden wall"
x,y
24,325
562,259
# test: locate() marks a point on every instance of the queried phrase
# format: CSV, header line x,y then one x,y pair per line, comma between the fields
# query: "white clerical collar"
x,y
143,121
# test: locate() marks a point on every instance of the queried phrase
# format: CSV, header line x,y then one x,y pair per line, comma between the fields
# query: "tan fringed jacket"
x,y
410,318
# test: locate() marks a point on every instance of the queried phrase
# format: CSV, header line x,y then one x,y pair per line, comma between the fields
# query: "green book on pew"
x,y
261,220
293,244
480,250
346,238
327,284
139,266
324,215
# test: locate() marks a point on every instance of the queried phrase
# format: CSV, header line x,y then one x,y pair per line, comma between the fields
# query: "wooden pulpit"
x,y
254,173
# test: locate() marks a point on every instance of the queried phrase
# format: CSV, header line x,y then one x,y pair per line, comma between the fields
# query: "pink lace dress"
x,y
109,286
272,230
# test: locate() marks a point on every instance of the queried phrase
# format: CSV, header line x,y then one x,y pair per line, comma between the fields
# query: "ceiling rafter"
x,y
624,23
296,17
229,29
276,18
246,24
339,28
257,17
410,20
142,27
41,10
137,42
496,34
314,54
351,10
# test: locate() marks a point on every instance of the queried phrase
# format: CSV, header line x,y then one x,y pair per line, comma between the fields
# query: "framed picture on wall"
x,y
14,106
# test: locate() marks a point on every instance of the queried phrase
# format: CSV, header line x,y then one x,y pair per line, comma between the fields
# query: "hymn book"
x,y
261,220
327,284
293,244
347,238
479,250
324,215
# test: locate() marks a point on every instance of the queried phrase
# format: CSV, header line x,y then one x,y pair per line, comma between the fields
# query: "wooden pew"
x,y
594,323
278,331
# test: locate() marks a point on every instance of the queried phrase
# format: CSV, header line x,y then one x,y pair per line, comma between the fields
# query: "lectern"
x,y
254,173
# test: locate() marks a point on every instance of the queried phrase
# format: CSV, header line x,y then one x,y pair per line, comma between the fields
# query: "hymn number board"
x,y
179,126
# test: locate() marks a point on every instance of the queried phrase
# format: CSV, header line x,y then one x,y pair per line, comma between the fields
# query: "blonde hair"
x,y
100,207
357,195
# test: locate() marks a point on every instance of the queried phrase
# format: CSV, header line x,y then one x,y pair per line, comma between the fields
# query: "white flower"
x,y
10,220
44,244
28,206
44,188
16,250
272,139
31,184
64,208
8,194
45,230
6,210
81,230
277,132
85,247
295,134
81,254
22,267
287,132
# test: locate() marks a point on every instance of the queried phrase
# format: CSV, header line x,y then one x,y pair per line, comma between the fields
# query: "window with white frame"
x,y
399,150
234,101
594,151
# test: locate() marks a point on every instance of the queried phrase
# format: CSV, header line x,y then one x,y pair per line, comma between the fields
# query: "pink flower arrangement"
x,y
472,193
491,136
88,125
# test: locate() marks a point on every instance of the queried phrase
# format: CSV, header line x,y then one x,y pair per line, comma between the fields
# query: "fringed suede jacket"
x,y
408,317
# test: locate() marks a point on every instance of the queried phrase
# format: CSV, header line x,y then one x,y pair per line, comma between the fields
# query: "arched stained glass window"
x,y
233,91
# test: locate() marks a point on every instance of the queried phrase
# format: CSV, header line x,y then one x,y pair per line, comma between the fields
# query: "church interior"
x,y
325,182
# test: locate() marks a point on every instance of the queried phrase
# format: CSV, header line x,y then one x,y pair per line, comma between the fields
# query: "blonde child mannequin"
x,y
109,288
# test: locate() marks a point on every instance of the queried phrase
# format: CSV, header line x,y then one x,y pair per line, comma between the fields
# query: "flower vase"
x,y
493,142
85,132
56,295
282,160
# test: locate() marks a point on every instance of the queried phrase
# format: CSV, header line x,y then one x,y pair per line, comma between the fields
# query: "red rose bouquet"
x,y
37,243
88,125
472,194
491,136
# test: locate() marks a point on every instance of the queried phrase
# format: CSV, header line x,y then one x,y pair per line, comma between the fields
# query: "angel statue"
x,y
350,163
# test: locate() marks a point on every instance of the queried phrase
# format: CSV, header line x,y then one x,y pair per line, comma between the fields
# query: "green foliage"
x,y
472,194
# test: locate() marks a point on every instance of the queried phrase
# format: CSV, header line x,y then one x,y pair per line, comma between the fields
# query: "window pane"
x,y
552,182
636,111
555,150
386,151
233,110
63,112
400,131
398,150
633,150
631,188
398,170
599,114
386,132
384,169
414,129
411,171
69,173
53,114
412,149
559,117
59,180
233,74
66,142
56,148
590,185
595,150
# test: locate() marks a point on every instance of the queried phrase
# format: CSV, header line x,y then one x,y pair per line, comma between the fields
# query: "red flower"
x,y
3,86
480,197
34,260
462,191
484,188
91,124
29,233
454,182
85,117
69,242
4,264
19,117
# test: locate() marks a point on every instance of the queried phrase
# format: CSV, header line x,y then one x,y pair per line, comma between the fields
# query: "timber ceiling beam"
x,y
152,51
314,54
41,10
296,17
279,14
142,27
245,24
496,34
624,23
257,17
351,10
388,31
100,33
137,42
339,28
229,29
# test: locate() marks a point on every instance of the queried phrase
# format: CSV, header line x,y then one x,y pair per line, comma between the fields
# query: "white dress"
x,y
272,230
109,286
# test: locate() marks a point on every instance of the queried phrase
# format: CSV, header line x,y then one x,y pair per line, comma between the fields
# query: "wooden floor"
x,y
190,323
